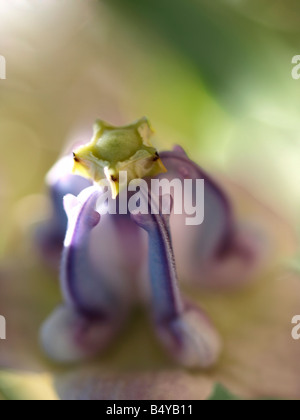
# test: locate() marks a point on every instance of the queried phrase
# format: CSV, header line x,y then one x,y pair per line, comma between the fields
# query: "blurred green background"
x,y
211,75
214,76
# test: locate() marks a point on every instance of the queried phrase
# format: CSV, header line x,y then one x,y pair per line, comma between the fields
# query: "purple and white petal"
x,y
204,252
94,312
49,235
184,330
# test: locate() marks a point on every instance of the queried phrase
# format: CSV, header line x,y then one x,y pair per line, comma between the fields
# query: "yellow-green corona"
x,y
115,149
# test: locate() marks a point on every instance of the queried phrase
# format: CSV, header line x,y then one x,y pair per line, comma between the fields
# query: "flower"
x,y
95,305
136,368
100,289
63,82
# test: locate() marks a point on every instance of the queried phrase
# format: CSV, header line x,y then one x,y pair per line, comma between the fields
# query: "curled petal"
x,y
191,338
93,309
185,332
218,225
68,336
49,235
204,252
87,286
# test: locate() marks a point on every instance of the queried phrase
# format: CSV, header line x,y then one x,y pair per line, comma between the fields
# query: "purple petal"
x,y
218,226
94,310
203,252
185,332
49,235
118,250
69,336
165,293
84,287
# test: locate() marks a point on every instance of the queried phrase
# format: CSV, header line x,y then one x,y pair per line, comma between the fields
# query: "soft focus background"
x,y
214,76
